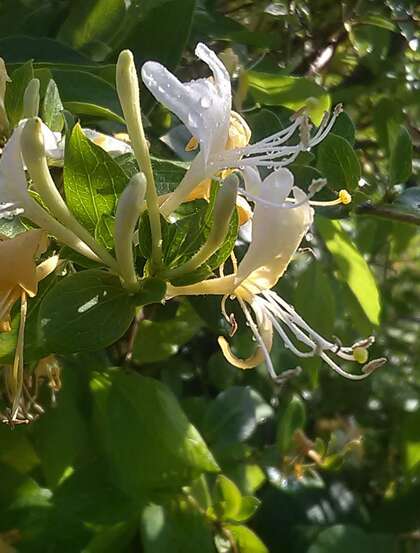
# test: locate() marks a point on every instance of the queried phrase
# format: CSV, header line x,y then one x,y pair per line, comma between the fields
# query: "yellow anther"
x,y
192,144
360,355
344,197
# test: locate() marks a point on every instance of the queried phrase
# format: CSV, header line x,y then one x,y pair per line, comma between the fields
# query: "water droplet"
x,y
205,102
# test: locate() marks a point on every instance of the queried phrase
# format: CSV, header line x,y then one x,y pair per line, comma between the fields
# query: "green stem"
x,y
388,211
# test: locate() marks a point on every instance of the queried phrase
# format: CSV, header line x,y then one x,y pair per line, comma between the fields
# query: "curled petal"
x,y
249,363
263,333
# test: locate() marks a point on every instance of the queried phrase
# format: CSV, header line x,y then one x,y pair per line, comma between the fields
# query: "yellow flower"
x,y
19,278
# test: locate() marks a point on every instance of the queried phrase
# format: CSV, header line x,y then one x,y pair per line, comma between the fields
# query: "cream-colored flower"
x,y
204,106
279,224
19,278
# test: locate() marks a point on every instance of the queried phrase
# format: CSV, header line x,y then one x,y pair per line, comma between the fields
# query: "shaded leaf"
x,y
85,311
15,90
338,162
400,159
149,443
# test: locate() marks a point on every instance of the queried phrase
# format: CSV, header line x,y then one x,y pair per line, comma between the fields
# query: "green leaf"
x,y
168,174
92,180
184,236
83,93
338,162
246,540
148,441
20,49
85,311
248,508
400,165
51,111
57,449
314,278
104,231
291,418
377,20
158,340
16,450
387,118
152,290
352,267
372,42
344,127
92,21
348,539
231,417
177,527
163,32
228,498
112,539
410,442
292,92
15,90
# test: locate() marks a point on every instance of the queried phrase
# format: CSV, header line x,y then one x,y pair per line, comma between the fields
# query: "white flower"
x,y
15,197
278,227
204,106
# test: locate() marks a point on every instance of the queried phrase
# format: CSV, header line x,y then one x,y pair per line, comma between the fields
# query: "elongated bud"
x,y
31,99
222,213
33,151
129,96
223,209
4,79
129,208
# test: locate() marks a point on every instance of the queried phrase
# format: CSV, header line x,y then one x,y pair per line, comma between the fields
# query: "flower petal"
x,y
277,232
203,105
17,260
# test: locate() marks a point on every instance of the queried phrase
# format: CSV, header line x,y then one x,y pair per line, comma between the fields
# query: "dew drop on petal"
x,y
205,102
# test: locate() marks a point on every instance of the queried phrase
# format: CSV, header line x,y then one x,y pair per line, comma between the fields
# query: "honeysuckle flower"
x,y
279,224
15,195
204,106
19,278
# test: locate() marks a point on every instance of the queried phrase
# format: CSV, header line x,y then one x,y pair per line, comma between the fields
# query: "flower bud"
x,y
129,208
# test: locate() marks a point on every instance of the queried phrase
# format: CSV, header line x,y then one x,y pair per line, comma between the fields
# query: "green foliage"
x,y
338,163
92,180
149,443
291,92
15,89
86,311
155,442
352,267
